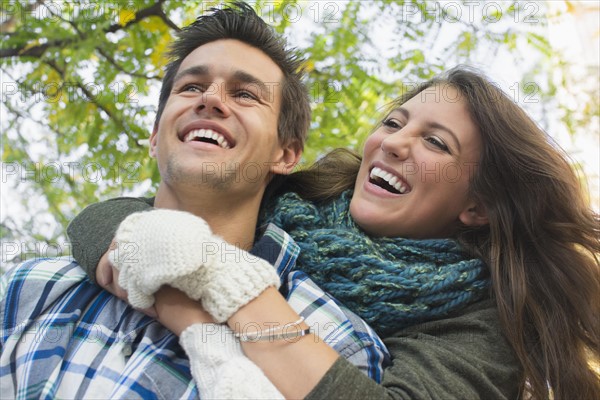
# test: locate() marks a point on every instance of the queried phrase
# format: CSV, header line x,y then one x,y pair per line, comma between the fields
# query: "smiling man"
x,y
220,120
219,114
232,116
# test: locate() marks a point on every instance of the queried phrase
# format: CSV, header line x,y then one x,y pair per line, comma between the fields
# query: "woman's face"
x,y
414,178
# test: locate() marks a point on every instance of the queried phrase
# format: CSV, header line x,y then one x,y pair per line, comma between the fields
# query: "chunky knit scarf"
x,y
391,283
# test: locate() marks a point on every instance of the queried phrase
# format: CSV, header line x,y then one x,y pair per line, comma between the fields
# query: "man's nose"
x,y
214,101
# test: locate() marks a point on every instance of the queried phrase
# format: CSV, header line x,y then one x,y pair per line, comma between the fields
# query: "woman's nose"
x,y
396,146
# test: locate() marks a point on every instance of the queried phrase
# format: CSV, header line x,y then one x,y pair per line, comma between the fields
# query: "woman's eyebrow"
x,y
434,125
439,126
403,111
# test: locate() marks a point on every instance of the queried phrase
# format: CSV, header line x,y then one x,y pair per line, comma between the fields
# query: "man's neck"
x,y
228,216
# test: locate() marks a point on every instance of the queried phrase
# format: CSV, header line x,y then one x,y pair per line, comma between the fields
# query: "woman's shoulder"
x,y
462,356
465,351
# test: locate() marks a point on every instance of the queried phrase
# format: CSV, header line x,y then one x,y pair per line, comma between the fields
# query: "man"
x,y
232,114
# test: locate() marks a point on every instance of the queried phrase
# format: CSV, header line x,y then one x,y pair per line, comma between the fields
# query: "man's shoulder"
x,y
46,271
32,285
63,336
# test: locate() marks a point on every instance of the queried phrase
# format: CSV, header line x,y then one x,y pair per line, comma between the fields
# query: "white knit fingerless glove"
x,y
176,248
219,366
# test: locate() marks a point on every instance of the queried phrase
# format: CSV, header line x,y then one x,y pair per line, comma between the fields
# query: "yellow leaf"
x,y
54,77
309,66
6,153
570,7
157,57
29,45
154,24
125,16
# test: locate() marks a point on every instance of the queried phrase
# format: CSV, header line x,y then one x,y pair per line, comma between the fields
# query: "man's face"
x,y
218,129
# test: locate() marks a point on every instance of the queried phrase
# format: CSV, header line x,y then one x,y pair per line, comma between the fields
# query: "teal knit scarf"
x,y
391,283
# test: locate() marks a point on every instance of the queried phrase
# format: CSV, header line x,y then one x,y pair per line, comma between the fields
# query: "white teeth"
x,y
389,178
209,134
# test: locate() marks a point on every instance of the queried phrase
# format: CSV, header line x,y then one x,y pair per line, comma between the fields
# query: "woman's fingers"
x,y
107,277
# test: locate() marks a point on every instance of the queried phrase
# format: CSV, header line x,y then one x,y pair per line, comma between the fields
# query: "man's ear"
x,y
153,141
289,157
474,214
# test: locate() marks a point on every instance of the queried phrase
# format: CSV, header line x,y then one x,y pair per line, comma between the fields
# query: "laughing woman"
x,y
462,237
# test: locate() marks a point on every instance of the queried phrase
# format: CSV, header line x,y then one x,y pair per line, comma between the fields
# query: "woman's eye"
x,y
437,143
392,123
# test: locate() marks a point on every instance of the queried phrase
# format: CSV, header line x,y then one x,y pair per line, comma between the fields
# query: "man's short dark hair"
x,y
239,21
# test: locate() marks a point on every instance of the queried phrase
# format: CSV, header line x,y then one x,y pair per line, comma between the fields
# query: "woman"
x,y
455,158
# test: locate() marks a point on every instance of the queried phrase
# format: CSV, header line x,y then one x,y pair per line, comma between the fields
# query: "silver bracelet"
x,y
258,335
277,336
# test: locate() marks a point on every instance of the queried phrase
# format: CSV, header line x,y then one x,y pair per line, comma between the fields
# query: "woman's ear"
x,y
474,215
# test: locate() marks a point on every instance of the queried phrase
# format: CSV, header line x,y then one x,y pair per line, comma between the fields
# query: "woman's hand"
x,y
176,248
107,277
172,308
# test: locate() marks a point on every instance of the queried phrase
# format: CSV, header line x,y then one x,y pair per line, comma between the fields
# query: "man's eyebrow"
x,y
197,70
434,125
238,76
244,77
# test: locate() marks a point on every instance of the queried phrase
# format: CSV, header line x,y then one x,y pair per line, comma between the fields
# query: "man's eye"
x,y
437,143
246,95
192,87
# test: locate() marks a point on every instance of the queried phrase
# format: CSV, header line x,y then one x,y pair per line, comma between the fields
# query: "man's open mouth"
x,y
388,181
207,136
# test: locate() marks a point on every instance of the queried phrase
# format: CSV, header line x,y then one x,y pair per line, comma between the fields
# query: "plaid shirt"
x,y
63,337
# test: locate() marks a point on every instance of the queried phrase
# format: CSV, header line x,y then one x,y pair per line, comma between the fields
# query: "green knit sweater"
x,y
463,356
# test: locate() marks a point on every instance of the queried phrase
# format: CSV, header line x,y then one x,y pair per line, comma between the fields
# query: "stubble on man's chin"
x,y
211,176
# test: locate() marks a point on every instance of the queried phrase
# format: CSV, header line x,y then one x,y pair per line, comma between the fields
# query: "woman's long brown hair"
x,y
542,244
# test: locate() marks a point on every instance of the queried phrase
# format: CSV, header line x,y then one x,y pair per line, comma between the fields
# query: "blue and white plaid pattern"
x,y
63,337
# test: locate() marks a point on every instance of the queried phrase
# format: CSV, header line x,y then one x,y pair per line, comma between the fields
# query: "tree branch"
x,y
155,10
52,64
120,68
167,20
38,50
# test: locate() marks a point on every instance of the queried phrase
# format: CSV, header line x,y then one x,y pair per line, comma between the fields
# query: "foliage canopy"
x,y
80,82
